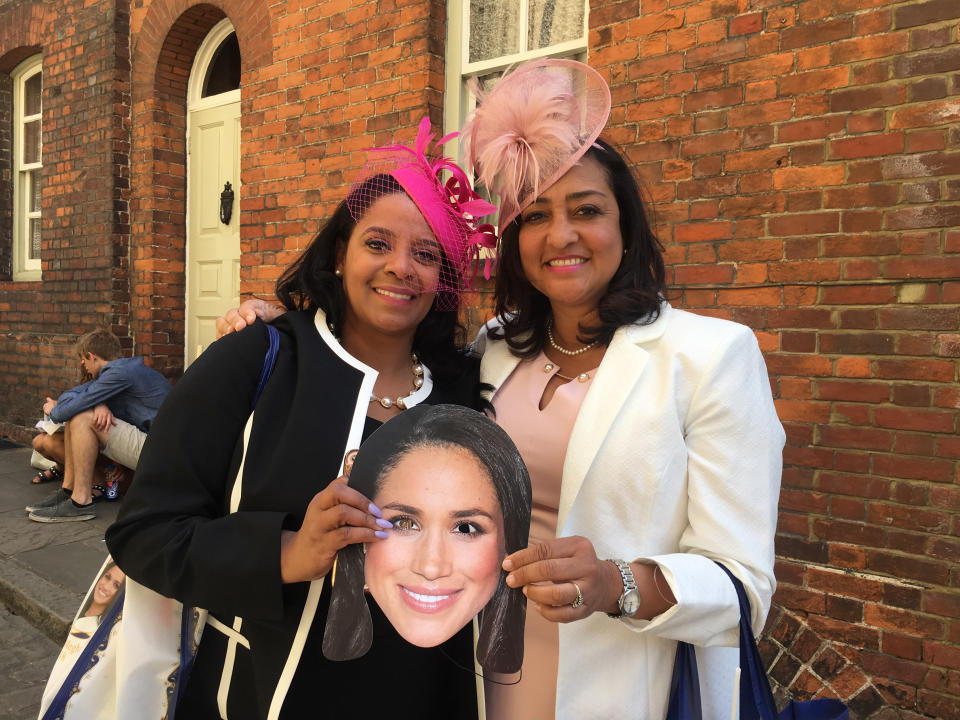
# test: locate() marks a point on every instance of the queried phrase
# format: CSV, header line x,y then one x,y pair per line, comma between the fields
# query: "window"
x,y
27,154
215,75
223,74
484,37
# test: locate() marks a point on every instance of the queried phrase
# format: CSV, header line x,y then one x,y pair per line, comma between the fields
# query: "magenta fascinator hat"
x,y
534,125
443,195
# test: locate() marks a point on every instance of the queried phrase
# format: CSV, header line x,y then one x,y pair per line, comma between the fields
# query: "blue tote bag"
x,y
756,700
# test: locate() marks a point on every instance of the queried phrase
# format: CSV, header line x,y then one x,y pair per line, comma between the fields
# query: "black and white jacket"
x,y
189,531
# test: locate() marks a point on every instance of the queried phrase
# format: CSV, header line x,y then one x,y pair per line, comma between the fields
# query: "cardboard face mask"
x,y
458,495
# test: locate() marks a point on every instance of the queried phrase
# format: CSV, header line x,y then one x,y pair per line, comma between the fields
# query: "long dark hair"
x,y
635,291
309,283
348,633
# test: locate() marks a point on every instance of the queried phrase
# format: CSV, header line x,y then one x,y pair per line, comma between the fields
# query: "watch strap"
x,y
629,584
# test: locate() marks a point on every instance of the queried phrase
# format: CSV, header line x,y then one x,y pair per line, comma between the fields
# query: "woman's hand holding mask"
x,y
336,517
551,573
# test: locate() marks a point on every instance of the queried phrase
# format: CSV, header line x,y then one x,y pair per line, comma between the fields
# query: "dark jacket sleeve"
x,y
174,533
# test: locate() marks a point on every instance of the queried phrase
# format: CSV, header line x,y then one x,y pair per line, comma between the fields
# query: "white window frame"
x,y
24,267
458,101
201,65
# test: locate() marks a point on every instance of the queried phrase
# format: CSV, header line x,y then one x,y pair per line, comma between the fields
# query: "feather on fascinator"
x,y
443,195
534,125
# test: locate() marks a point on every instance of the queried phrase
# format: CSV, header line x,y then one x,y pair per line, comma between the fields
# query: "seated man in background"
x,y
110,413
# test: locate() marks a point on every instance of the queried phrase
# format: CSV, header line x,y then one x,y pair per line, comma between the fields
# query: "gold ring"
x,y
579,601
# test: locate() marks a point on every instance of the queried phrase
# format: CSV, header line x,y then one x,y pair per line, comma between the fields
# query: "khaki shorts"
x,y
124,443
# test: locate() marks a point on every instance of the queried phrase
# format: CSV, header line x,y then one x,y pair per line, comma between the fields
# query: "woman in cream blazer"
x,y
670,444
674,459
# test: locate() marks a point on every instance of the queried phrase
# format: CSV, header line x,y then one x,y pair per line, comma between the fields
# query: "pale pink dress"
x,y
542,437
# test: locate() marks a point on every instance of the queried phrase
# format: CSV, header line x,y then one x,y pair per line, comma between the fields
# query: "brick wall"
x,y
321,81
85,59
803,159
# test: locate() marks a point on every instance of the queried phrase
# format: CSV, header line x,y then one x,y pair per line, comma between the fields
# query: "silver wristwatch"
x,y
629,601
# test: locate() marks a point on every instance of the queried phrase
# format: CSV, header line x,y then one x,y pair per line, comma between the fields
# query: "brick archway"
x,y
167,42
24,32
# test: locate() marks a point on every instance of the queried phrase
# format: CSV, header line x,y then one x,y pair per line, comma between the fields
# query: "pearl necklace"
x,y
563,350
400,402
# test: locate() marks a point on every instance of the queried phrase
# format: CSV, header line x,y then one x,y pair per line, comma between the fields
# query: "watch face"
x,y
630,602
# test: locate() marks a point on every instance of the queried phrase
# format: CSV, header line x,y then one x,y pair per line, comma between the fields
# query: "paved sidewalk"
x,y
26,656
45,568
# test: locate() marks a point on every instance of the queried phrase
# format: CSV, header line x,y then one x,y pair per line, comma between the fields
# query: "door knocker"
x,y
226,204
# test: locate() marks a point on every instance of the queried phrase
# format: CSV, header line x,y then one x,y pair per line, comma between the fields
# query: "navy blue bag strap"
x,y
685,686
756,699
268,362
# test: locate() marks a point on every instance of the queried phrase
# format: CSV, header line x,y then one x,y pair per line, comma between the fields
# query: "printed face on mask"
x,y
441,564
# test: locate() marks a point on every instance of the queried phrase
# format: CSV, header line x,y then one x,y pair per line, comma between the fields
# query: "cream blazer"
x,y
675,458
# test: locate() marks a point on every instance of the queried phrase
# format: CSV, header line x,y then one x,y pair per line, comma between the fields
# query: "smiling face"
x,y
440,565
390,268
570,242
107,588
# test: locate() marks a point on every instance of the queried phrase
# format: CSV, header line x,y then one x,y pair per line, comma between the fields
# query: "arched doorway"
x,y
213,186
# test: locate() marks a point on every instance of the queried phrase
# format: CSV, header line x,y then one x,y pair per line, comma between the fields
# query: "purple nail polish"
x,y
381,534
375,511
386,524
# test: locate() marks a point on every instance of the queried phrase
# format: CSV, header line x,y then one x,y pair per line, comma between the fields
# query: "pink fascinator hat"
x,y
444,196
534,125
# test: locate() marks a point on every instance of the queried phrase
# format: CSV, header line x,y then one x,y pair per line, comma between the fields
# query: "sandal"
x,y
102,497
45,476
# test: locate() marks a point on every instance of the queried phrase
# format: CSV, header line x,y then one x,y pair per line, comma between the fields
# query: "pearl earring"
x,y
338,272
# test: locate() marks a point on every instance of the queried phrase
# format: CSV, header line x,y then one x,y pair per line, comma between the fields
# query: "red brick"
x,y
860,245
922,165
786,178
761,113
760,68
911,395
932,113
810,129
814,81
806,224
909,318
746,24
914,468
866,123
853,391
818,33
807,154
850,437
866,146
923,13
861,49
924,370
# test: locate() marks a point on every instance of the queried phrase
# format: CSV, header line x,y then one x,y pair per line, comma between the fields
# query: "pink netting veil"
x,y
534,125
447,262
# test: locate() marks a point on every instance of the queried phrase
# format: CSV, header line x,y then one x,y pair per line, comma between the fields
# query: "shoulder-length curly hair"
x,y
349,630
309,283
633,295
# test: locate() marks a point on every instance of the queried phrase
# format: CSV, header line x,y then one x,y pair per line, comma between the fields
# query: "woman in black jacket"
x,y
234,511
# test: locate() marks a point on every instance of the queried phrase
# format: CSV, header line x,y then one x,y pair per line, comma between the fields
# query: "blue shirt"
x,y
131,390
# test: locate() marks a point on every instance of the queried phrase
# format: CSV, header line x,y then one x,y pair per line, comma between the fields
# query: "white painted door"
x,y
213,247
